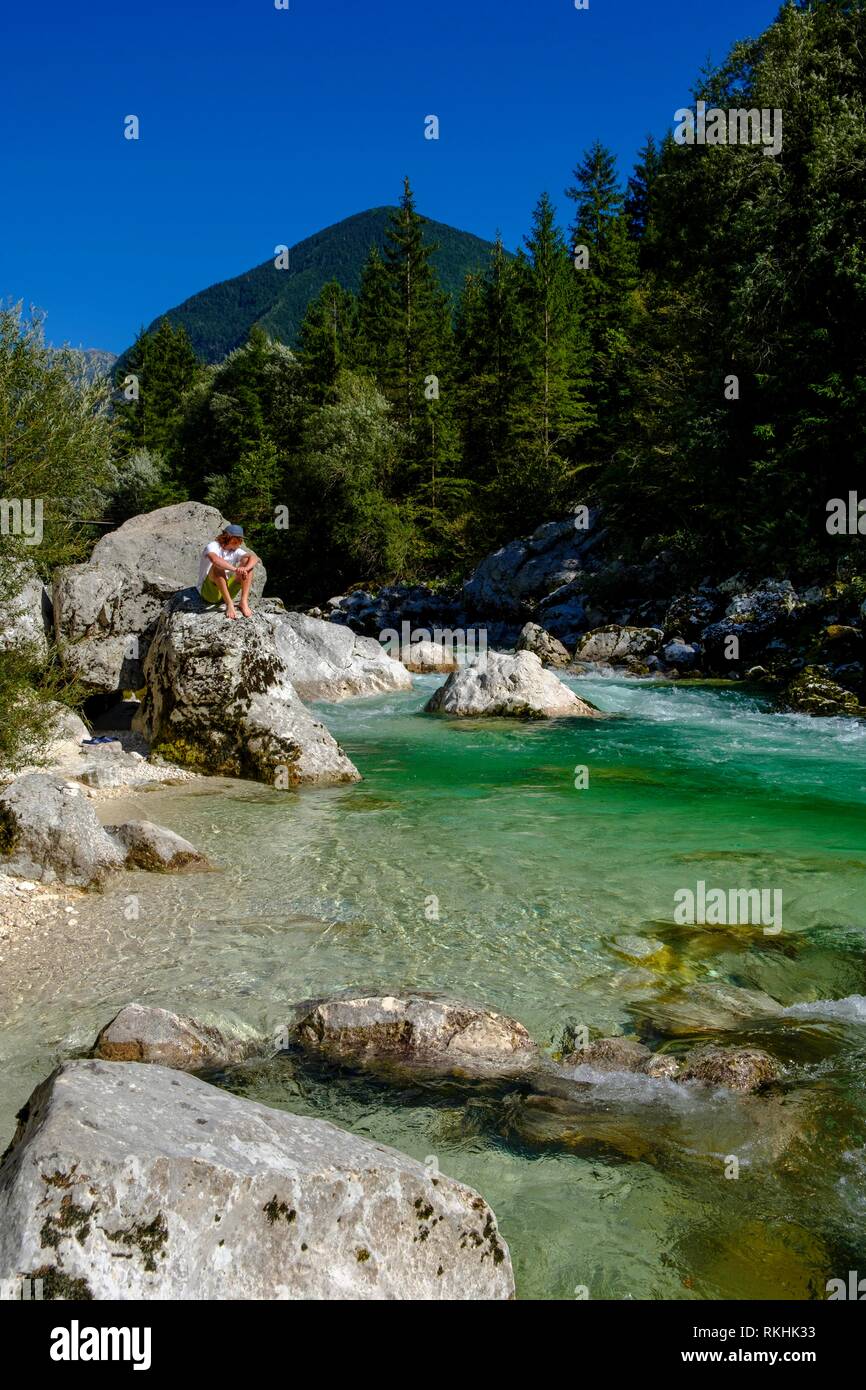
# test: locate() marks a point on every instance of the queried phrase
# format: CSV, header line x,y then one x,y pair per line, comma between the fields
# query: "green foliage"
x,y
55,446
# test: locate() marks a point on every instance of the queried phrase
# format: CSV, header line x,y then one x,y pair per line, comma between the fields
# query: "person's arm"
x,y
249,561
223,566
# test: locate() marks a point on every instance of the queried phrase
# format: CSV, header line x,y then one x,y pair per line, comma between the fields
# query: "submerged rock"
x,y
546,647
220,700
709,1008
610,1054
515,687
738,1068
144,1033
417,1033
136,1182
51,833
156,849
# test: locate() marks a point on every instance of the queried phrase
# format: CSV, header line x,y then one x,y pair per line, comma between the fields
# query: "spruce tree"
x,y
326,339
548,407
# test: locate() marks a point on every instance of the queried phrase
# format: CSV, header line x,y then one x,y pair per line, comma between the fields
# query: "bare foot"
x,y
230,612
246,610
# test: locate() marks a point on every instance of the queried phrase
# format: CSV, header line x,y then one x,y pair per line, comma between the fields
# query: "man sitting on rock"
x,y
226,570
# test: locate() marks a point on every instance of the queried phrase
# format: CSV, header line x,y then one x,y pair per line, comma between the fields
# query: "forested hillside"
x,y
220,318
699,372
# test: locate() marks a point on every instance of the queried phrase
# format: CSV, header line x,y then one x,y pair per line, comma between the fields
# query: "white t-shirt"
x,y
215,550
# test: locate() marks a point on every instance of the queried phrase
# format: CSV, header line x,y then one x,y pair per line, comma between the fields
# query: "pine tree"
x,y
488,349
327,339
549,408
165,366
605,287
639,197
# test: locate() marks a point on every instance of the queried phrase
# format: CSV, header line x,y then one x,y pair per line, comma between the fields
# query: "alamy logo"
x,y
733,127
846,518
855,1289
21,516
717,907
77,1343
26,1289
466,646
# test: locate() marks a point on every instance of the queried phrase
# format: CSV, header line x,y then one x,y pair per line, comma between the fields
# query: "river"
x,y
469,862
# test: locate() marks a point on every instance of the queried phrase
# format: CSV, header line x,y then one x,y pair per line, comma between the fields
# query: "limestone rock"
x,y
144,1033
105,611
416,1032
156,849
220,700
425,657
516,687
50,832
737,1068
25,617
326,661
546,647
128,1182
813,692
614,644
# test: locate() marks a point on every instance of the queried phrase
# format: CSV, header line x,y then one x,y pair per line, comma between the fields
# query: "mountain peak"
x,y
218,319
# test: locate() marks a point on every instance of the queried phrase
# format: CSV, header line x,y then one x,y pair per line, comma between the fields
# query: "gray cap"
x,y
235,531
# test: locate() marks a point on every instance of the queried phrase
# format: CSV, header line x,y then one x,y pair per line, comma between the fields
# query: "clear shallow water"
x,y
468,863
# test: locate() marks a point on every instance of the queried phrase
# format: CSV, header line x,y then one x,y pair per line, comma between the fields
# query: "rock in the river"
x,y
144,1033
813,692
614,644
428,657
547,648
25,617
610,1054
50,832
709,1008
105,611
325,661
220,700
737,1068
416,1033
156,849
135,1182
515,687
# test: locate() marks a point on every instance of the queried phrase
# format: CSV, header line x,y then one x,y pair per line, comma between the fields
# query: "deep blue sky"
x,y
260,126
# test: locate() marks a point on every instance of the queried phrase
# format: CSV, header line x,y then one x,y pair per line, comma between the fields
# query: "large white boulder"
x,y
25,617
221,701
50,832
516,687
327,661
129,1181
105,611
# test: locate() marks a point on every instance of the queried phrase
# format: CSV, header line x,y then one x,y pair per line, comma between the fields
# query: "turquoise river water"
x,y
468,862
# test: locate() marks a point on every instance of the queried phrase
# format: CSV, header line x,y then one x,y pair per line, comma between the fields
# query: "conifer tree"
x,y
549,408
326,339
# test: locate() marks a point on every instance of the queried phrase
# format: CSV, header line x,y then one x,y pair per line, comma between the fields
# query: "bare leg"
x,y
220,580
246,578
